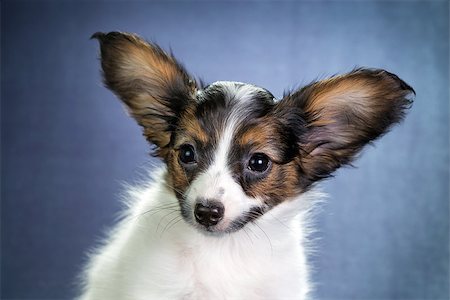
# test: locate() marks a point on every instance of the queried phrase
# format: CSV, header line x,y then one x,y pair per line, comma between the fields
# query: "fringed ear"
x,y
339,115
152,84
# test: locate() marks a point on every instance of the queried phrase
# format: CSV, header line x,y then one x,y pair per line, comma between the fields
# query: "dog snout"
x,y
210,213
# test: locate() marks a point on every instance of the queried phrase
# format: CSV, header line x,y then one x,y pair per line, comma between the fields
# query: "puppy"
x,y
227,215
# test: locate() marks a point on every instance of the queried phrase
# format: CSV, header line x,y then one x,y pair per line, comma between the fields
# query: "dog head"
x,y
232,151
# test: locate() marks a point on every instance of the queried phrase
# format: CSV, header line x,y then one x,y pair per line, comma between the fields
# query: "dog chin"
x,y
216,230
209,231
221,228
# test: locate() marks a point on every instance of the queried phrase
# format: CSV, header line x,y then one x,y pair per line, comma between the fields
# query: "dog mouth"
x,y
248,217
224,225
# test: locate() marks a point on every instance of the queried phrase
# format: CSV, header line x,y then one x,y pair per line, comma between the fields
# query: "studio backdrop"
x,y
68,147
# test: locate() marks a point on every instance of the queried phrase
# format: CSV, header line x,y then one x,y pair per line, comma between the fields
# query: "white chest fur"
x,y
154,254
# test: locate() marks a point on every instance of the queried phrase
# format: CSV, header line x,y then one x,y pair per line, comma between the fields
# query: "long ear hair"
x,y
152,84
339,115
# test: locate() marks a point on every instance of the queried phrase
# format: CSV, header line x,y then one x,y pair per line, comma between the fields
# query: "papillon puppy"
x,y
227,217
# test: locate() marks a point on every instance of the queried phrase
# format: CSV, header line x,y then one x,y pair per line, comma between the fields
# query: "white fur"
x,y
155,254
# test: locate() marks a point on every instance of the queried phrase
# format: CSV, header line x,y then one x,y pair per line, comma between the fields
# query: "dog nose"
x,y
209,214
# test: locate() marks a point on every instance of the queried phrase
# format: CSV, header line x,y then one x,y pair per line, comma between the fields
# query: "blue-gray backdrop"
x,y
67,145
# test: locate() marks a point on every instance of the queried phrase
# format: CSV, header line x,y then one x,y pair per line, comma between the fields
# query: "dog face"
x,y
232,151
230,159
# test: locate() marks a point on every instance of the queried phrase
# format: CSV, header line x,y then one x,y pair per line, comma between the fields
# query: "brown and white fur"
x,y
227,215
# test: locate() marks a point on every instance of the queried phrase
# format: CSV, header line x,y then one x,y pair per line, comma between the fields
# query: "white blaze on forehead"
x,y
241,93
219,164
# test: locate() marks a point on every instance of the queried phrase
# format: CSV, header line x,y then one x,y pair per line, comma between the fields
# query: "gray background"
x,y
67,144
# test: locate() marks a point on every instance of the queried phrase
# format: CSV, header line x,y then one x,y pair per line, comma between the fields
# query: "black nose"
x,y
209,214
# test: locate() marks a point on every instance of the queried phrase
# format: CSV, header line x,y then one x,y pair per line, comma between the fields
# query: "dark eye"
x,y
259,162
187,154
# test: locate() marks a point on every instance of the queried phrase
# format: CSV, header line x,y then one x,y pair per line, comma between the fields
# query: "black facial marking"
x,y
212,111
251,215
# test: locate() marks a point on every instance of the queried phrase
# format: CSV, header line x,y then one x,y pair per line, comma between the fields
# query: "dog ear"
x,y
334,118
152,84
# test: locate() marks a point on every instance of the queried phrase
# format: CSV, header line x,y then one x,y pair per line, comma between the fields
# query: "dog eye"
x,y
259,162
187,154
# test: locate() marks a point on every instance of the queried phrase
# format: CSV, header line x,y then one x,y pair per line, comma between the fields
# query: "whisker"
x,y
172,187
246,233
279,221
154,210
167,225
174,223
162,218
268,238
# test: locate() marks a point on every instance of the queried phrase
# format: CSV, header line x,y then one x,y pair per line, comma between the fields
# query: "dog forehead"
x,y
232,118
226,103
233,93
237,92
223,101
228,112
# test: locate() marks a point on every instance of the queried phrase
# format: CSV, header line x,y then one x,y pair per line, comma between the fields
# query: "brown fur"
x,y
191,126
343,114
282,180
189,131
177,178
281,184
261,137
152,84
